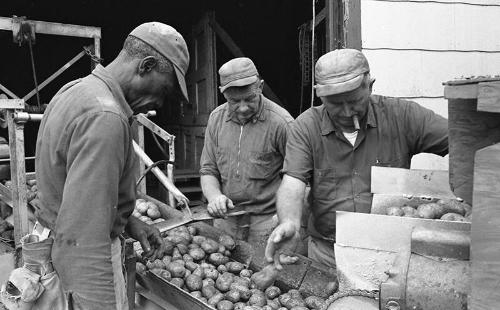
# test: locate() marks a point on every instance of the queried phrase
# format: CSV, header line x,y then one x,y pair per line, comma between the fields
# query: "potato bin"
x,y
474,123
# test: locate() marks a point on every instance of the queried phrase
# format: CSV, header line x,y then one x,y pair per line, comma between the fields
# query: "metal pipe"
x,y
23,117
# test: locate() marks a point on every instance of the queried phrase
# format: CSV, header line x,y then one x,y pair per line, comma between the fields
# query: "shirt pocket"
x,y
262,165
395,161
324,184
222,158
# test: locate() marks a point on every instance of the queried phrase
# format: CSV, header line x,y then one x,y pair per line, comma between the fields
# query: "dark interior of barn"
x,y
265,31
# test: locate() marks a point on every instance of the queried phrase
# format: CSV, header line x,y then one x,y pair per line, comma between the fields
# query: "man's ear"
x,y
147,64
372,80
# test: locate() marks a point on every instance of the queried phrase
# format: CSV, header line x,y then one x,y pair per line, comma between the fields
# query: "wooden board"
x,y
488,97
418,183
421,73
485,249
469,131
432,26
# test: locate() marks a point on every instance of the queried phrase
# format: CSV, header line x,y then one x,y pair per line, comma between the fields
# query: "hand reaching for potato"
x,y
282,241
219,205
148,236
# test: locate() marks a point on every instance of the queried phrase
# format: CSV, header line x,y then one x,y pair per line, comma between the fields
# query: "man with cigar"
x,y
334,146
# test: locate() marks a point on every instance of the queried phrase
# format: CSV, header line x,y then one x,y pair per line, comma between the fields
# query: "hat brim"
x,y
181,80
240,82
323,90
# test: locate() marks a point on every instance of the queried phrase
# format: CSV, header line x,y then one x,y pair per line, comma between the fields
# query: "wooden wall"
x,y
415,45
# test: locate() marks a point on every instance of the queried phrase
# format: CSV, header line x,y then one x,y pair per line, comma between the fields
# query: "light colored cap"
x,y
237,72
168,42
340,71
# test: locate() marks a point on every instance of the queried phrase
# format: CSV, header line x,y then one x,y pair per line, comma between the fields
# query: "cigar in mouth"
x,y
355,120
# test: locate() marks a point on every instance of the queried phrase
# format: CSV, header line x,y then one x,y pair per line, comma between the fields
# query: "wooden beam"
x,y
6,23
54,75
18,177
352,24
8,92
237,52
11,104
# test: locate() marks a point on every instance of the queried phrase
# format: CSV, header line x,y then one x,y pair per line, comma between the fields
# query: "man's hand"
x,y
148,236
282,241
180,198
218,206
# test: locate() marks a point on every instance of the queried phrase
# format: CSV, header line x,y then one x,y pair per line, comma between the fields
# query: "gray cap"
x,y
340,71
168,42
237,72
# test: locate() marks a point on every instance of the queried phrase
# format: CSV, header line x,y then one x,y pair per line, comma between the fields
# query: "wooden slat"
x,y
488,97
485,251
431,26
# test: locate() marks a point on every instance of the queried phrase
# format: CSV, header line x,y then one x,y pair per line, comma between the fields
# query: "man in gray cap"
x,y
243,154
86,167
334,146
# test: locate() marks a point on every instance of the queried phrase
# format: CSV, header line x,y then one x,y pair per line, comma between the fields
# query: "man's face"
x,y
342,107
150,89
244,101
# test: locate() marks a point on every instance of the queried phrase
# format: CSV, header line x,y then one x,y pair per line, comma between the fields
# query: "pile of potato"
x,y
31,187
147,211
201,266
444,209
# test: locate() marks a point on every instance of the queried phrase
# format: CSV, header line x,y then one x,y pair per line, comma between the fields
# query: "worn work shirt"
x,y
247,159
340,173
85,170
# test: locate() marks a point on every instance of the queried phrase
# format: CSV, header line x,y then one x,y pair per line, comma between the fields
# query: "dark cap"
x,y
168,42
237,72
340,71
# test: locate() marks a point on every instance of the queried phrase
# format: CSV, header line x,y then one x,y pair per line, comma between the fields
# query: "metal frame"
x,y
143,121
17,117
13,24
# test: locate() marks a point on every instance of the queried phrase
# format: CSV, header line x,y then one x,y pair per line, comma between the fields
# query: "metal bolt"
x,y
392,305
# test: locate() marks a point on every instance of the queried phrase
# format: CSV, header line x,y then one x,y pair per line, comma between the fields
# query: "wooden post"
x,y
130,261
18,177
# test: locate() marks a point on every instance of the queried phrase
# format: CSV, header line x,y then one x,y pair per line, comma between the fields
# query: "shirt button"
x,y
355,172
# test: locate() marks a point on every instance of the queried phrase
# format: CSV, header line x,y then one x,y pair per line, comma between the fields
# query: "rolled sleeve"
x,y
208,159
82,248
428,131
298,160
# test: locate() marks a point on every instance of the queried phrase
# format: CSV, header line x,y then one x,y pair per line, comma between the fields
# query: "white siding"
x,y
414,46
430,26
421,74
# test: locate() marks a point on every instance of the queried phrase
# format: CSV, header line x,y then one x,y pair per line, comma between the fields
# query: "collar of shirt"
x,y
259,116
327,125
103,74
